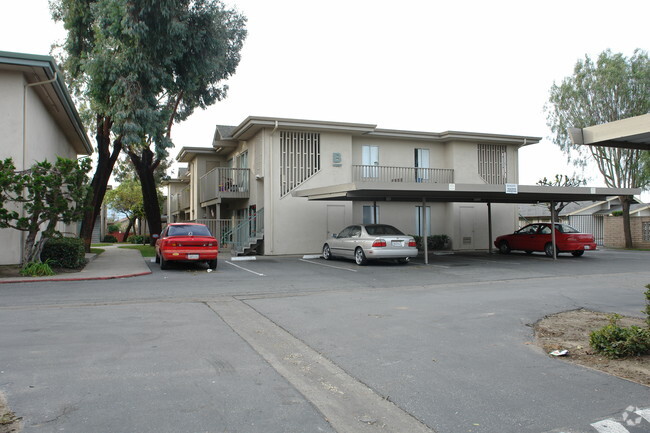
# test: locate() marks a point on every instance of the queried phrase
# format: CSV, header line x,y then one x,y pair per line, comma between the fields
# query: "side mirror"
x,y
334,235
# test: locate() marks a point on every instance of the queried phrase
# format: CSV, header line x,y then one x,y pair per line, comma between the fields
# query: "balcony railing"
x,y
380,173
225,183
180,201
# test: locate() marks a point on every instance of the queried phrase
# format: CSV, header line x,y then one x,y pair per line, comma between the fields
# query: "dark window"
x,y
377,230
188,230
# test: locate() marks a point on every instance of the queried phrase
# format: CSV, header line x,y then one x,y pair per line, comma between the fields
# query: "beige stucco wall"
x,y
297,225
43,140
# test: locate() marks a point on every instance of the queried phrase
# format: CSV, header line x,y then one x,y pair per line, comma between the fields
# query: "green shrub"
x,y
434,242
35,269
64,252
139,239
113,228
615,341
110,238
617,213
647,305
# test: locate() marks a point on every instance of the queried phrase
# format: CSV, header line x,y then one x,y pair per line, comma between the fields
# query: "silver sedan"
x,y
370,242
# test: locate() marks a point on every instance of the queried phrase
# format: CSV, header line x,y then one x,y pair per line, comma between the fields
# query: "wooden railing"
x,y
380,173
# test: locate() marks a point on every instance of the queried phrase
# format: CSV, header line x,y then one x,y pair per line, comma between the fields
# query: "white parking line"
x,y
244,269
328,266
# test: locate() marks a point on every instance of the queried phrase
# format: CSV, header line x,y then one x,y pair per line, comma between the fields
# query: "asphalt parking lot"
x,y
293,344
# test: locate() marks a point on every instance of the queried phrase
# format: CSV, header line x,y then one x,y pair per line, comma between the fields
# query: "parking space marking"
x,y
328,266
244,269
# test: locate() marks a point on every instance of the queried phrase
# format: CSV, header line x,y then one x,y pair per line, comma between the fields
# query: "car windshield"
x,y
188,230
377,230
564,228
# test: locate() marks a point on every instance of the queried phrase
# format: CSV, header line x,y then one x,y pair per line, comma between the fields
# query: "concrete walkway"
x,y
114,262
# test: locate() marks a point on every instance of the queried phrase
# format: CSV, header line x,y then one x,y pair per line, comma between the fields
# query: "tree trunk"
x,y
128,230
625,204
145,165
105,162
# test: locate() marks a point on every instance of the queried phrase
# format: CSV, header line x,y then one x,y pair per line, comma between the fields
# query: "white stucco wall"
x,y
43,140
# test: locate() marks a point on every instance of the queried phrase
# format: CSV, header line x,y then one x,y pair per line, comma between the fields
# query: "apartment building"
x,y
38,121
273,184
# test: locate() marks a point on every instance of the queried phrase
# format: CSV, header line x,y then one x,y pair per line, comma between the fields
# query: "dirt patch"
x,y
9,422
570,330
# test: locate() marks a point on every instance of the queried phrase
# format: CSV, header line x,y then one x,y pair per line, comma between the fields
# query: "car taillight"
x,y
379,243
412,244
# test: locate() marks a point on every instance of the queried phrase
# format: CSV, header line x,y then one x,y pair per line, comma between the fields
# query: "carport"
x,y
460,193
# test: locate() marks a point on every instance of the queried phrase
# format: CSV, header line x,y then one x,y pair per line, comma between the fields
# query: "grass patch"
x,y
145,250
97,251
35,269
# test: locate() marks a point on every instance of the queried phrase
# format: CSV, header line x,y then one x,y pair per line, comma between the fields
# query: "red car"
x,y
187,242
537,237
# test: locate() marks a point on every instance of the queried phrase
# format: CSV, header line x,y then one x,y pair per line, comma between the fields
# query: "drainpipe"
x,y
24,164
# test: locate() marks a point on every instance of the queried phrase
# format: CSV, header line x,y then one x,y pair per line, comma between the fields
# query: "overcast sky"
x,y
477,66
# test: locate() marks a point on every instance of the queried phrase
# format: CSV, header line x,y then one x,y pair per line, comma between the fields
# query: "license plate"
x,y
587,247
192,257
396,243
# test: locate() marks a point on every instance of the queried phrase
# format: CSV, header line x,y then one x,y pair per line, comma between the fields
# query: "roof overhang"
x,y
461,193
630,133
54,94
253,124
187,154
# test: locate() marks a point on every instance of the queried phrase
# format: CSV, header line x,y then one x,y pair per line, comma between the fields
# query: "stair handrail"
x,y
241,234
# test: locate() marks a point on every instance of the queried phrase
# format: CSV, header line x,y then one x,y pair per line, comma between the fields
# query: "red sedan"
x,y
188,242
537,237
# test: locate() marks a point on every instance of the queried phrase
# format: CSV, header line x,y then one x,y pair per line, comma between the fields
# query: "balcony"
x,y
385,174
225,183
180,201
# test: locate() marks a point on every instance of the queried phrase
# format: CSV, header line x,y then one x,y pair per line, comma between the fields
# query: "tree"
x,y
144,65
612,88
48,194
562,181
126,199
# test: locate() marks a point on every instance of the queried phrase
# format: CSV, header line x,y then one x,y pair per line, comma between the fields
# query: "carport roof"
x,y
461,193
630,133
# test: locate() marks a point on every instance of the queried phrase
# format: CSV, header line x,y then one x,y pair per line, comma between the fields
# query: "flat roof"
x,y
630,133
460,193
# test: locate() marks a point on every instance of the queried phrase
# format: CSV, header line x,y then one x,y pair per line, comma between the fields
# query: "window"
x,y
492,163
370,160
369,213
418,220
422,163
299,158
646,231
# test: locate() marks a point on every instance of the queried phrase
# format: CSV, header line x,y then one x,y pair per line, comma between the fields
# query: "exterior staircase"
x,y
247,237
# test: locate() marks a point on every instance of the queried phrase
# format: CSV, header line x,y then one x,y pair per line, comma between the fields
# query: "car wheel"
x,y
327,253
360,257
504,248
404,261
212,264
163,263
577,253
548,249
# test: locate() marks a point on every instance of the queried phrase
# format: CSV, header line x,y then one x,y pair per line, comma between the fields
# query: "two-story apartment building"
x,y
38,121
278,180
